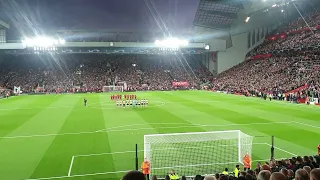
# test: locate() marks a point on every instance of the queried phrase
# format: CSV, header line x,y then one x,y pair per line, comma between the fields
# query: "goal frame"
x,y
121,88
147,146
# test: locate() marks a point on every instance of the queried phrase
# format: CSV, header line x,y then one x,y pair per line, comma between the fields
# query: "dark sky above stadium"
x,y
123,15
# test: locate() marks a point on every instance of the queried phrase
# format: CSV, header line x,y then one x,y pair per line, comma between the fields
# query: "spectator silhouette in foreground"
x,y
167,177
266,167
307,168
315,174
290,174
209,178
223,177
285,172
134,175
264,175
198,177
278,176
301,174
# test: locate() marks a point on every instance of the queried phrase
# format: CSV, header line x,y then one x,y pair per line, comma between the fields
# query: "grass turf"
x,y
41,134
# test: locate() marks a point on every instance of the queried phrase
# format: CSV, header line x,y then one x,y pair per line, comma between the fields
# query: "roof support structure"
x,y
220,13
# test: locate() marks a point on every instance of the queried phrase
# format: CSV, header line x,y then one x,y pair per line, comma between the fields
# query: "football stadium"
x,y
170,89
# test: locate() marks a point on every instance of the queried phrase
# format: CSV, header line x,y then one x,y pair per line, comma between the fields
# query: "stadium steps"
x,y
170,75
304,87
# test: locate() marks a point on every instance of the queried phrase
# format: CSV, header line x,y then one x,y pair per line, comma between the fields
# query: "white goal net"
x,y
201,153
112,89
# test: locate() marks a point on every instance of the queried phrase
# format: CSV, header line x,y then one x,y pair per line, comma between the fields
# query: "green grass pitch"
x,y
40,134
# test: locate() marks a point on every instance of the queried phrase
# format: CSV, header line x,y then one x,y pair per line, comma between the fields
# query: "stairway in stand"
x,y
298,89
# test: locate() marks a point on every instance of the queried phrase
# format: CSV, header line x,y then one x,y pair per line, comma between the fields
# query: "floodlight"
x,y
282,10
247,19
171,43
157,42
62,41
274,5
184,42
207,47
42,41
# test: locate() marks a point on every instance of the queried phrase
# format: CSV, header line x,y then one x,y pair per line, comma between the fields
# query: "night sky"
x,y
28,16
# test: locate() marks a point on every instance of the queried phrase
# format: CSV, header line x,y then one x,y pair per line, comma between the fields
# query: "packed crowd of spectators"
x,y
290,59
311,19
302,32
298,168
69,73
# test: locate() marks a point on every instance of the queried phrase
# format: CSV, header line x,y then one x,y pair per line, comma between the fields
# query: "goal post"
x,y
112,88
195,153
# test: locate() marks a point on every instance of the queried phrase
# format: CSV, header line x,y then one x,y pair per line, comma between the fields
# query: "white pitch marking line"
x,y
138,129
80,175
199,125
96,105
282,150
124,152
71,164
116,172
307,124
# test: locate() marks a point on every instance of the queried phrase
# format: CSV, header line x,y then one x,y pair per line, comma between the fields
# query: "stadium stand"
x,y
284,62
92,72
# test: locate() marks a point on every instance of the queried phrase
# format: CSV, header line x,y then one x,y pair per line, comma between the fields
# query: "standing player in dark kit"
x,y
85,101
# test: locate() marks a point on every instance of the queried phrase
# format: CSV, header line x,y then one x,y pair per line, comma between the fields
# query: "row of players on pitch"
x,y
133,103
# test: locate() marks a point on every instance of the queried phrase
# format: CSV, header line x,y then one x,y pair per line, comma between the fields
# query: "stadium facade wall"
x,y
216,44
209,61
3,38
234,55
247,36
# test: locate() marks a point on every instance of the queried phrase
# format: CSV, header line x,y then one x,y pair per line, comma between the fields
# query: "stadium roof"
x,y
217,14
221,14
4,25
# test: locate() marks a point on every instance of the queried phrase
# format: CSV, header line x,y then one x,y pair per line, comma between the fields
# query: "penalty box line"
x,y
117,172
124,152
101,173
280,149
70,167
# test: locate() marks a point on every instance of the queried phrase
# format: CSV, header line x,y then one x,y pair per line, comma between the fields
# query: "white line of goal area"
x,y
118,128
124,171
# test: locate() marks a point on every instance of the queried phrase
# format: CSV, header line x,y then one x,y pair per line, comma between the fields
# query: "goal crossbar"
x,y
212,150
190,133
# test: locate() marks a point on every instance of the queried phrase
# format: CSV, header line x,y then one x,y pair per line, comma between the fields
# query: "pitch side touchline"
x,y
138,129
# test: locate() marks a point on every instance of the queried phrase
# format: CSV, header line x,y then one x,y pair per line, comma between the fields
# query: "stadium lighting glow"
x,y
247,19
171,43
274,5
42,41
282,10
207,47
62,41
